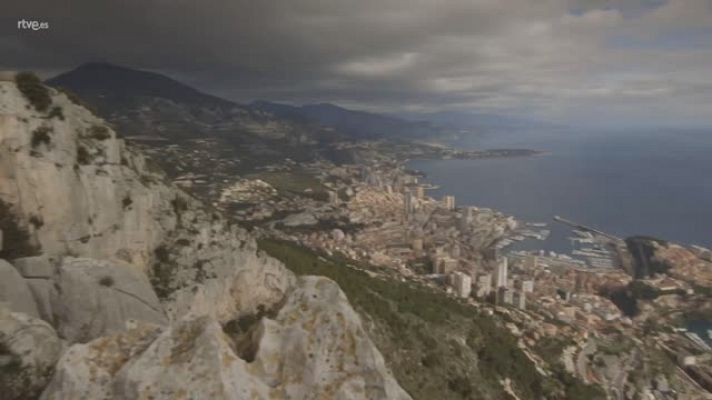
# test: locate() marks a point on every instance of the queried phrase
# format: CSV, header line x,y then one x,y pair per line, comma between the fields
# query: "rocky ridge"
x,y
135,290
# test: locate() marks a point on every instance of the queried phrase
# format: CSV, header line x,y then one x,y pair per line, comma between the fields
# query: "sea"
x,y
701,328
655,182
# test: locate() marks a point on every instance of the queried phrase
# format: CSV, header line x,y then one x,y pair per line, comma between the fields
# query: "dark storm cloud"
x,y
552,58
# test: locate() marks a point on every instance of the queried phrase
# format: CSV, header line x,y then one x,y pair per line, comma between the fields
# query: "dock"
x,y
586,228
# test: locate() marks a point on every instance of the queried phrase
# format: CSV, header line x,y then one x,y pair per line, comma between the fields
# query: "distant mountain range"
x,y
111,82
474,121
142,103
150,104
355,124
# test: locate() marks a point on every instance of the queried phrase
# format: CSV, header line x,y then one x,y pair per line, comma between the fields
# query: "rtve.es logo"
x,y
24,24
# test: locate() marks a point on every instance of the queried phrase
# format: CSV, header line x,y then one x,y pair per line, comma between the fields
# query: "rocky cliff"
x,y
117,285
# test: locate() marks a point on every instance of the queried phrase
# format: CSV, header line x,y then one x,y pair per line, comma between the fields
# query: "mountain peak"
x,y
104,79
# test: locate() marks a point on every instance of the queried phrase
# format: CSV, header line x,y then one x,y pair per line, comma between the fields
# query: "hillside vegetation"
x,y
437,347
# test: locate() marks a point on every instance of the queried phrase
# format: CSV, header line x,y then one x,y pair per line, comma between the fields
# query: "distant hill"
x,y
470,121
142,103
111,82
355,124
147,103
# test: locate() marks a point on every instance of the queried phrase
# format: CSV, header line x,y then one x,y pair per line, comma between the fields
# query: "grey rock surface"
x,y
29,349
43,292
192,359
86,371
34,267
96,297
300,219
14,291
316,348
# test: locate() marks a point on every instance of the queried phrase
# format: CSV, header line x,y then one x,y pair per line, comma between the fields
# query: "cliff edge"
x,y
117,285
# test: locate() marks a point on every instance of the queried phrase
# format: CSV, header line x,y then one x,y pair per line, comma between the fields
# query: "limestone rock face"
x,y
317,348
96,297
14,291
193,359
86,371
37,267
38,273
79,187
314,348
144,282
29,349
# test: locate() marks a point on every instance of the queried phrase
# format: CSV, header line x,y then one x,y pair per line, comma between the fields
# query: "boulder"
x,y
313,348
96,297
87,370
238,286
43,292
37,267
38,272
192,359
300,219
316,347
14,291
338,235
29,349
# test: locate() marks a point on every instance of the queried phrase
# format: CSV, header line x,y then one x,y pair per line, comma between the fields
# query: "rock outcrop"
x,y
316,348
15,292
157,296
29,349
38,273
94,298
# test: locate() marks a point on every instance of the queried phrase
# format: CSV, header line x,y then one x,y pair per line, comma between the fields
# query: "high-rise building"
x,y
409,204
470,213
449,202
519,299
455,250
417,245
419,192
446,265
528,286
484,285
501,280
462,284
504,296
333,197
531,261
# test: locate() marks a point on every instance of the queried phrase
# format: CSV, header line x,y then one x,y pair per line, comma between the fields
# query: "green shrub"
x,y
162,272
106,281
83,156
34,90
179,205
16,240
126,201
36,221
56,112
99,132
41,136
74,98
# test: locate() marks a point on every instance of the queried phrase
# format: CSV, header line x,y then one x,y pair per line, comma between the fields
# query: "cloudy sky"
x,y
586,62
